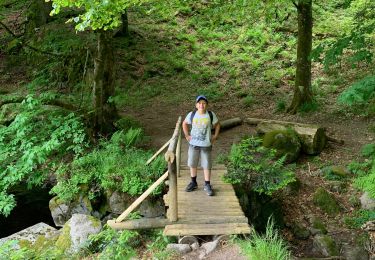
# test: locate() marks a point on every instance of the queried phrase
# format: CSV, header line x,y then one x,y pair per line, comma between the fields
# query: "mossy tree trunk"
x,y
124,29
104,109
37,15
302,86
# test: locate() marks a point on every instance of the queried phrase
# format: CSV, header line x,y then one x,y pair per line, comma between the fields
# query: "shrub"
x,y
360,96
113,244
115,165
365,171
32,146
256,167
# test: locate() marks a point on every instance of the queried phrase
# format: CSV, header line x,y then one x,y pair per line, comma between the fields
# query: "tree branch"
x,y
28,45
296,5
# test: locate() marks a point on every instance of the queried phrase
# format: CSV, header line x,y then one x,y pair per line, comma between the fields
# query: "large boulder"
x,y
76,231
152,208
118,202
30,235
62,211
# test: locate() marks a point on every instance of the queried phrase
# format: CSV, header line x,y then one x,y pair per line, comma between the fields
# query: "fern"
x,y
359,93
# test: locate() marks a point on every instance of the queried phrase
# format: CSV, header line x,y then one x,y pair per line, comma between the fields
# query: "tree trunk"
x,y
104,109
124,29
37,15
302,86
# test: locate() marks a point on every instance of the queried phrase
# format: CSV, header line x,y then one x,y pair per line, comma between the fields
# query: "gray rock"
x,y
367,202
76,232
209,247
325,245
194,246
152,209
31,234
179,248
62,211
355,253
190,240
118,202
300,232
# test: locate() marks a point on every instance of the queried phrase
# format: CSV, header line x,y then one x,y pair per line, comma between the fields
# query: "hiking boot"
x,y
208,189
191,186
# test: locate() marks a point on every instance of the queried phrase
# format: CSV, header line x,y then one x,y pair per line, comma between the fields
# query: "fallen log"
x,y
229,123
313,137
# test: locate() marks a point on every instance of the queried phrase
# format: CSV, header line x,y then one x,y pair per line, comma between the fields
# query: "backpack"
x,y
195,111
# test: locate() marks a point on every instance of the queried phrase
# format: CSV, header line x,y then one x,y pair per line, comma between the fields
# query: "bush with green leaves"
x,y
116,164
257,168
365,171
33,144
360,96
269,246
113,244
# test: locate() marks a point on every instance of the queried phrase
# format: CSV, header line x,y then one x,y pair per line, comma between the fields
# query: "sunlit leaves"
x,y
96,14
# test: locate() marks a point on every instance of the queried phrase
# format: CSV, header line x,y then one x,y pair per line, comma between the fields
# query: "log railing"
x,y
173,157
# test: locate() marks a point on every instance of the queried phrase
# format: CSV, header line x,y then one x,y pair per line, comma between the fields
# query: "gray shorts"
x,y
196,152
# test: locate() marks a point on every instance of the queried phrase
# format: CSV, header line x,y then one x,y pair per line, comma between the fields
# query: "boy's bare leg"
x,y
207,174
193,172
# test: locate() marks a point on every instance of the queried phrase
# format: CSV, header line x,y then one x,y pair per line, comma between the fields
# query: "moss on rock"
x,y
326,201
286,142
64,241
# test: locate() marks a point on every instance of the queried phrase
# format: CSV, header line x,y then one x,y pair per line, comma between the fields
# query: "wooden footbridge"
x,y
189,213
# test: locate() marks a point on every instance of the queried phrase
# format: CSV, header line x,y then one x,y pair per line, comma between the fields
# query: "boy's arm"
x,y
217,131
185,128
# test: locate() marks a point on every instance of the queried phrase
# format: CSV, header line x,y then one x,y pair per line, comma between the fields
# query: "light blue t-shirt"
x,y
201,128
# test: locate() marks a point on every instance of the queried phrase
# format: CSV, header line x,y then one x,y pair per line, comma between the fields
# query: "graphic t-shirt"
x,y
201,128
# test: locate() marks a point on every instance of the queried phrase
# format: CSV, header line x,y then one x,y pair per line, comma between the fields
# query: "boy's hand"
x,y
213,139
188,138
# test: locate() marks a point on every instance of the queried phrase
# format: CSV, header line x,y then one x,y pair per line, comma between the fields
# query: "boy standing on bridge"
x,y
200,142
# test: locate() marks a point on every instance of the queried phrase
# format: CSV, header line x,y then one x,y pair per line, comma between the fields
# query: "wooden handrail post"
x,y
170,157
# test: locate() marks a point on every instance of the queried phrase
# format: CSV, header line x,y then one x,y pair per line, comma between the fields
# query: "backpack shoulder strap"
x,y
211,116
192,115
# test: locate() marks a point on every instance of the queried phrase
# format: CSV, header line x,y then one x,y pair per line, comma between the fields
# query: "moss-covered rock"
x,y
318,224
286,142
325,245
300,232
335,172
76,231
326,201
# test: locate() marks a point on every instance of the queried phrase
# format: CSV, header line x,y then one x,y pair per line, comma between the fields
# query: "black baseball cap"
x,y
201,97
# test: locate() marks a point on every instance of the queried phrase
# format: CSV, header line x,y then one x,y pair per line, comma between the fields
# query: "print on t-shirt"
x,y
199,129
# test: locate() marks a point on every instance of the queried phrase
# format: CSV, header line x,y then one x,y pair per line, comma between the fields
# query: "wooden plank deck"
x,y
199,214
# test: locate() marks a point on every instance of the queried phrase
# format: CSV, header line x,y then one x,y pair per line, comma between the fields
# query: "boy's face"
x,y
201,105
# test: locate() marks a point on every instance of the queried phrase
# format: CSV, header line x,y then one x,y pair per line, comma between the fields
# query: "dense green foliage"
x,y
112,244
114,165
360,96
359,218
269,246
365,171
34,144
256,167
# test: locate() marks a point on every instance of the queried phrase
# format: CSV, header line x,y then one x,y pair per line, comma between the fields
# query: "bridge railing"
x,y
173,158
